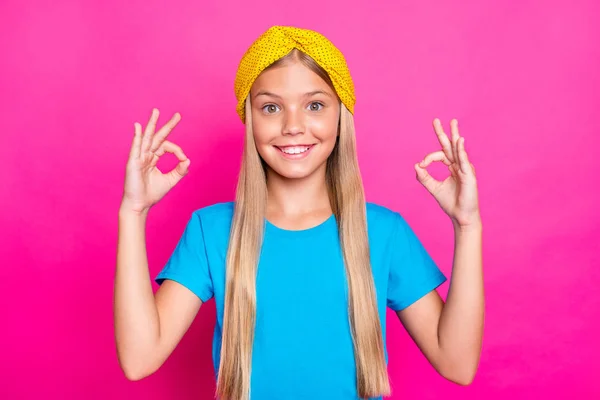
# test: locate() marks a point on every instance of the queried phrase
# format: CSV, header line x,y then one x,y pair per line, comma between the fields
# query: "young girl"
x,y
300,266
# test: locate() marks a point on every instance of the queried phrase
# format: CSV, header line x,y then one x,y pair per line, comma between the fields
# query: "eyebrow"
x,y
308,94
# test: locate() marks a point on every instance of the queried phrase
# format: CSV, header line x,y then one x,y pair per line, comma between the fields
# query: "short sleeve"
x,y
413,273
188,264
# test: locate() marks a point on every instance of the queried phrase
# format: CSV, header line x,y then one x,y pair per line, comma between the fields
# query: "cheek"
x,y
264,132
262,146
325,130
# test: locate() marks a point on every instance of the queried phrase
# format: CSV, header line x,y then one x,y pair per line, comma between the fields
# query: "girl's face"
x,y
295,118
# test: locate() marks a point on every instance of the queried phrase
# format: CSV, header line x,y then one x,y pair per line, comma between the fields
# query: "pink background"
x,y
521,77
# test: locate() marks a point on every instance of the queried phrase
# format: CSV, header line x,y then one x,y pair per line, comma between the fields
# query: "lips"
x,y
294,149
295,152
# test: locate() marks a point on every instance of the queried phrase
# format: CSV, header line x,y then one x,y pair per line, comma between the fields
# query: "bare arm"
x,y
450,334
147,326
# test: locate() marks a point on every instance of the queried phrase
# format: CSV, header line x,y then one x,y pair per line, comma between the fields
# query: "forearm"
x,y
460,328
135,314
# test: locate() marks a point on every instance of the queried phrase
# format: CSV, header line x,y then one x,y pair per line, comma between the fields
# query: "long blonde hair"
x,y
347,199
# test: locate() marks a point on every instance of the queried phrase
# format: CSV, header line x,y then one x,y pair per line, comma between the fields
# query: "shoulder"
x,y
382,217
214,218
216,211
380,211
382,220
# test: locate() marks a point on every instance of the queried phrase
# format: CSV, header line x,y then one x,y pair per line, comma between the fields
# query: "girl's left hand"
x,y
457,194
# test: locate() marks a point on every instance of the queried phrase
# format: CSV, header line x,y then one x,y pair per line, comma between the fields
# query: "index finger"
x,y
166,129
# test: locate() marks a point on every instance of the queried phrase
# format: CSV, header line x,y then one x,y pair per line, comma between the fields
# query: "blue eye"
x,y
269,108
317,104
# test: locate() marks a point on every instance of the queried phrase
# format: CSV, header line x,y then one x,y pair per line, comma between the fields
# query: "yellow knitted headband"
x,y
277,42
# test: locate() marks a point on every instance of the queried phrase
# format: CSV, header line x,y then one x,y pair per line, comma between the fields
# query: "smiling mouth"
x,y
291,150
295,152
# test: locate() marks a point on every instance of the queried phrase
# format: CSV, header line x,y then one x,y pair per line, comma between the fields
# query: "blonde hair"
x,y
347,199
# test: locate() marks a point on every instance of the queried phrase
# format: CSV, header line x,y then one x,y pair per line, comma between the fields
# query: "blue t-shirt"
x,y
302,345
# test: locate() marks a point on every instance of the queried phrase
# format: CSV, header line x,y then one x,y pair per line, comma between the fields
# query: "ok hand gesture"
x,y
457,194
145,184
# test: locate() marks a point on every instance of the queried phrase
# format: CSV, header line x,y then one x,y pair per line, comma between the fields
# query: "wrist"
x,y
473,226
127,212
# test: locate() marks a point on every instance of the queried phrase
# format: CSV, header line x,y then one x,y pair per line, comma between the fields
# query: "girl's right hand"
x,y
145,184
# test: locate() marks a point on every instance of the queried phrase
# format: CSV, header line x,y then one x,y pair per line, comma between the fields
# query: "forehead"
x,y
290,77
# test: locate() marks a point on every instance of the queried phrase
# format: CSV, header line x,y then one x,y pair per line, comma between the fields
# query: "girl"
x,y
300,266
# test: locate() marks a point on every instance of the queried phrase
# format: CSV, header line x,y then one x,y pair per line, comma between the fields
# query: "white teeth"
x,y
295,150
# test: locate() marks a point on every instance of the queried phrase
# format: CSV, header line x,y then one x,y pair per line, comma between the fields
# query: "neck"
x,y
296,197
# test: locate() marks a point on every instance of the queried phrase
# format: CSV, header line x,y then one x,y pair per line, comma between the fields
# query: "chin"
x,y
293,173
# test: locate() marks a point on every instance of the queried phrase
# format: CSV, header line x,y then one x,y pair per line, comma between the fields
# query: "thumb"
x,y
426,180
181,170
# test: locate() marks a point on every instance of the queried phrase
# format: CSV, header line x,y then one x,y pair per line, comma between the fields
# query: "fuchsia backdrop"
x,y
521,77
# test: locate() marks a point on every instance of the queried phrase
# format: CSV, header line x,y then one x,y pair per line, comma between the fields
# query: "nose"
x,y
293,123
